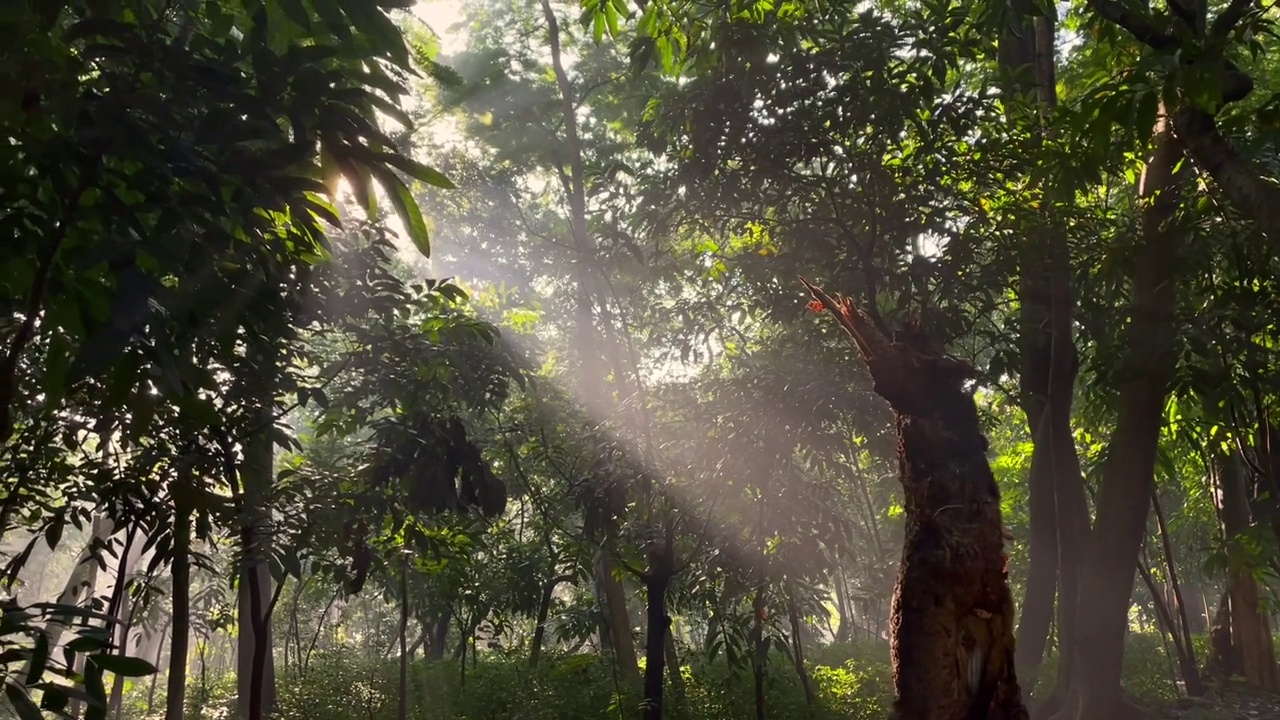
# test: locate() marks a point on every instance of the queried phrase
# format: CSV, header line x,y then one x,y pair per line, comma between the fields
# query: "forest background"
x,y
448,361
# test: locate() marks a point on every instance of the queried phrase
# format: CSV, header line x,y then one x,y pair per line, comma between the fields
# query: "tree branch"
x,y
1228,19
1241,183
1136,24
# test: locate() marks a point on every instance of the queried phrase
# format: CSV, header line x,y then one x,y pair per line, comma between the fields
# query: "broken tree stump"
x,y
952,615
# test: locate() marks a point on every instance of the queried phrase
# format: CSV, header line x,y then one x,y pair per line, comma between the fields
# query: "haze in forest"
x,y
459,359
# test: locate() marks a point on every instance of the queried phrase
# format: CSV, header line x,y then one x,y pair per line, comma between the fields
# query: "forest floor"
x,y
1226,704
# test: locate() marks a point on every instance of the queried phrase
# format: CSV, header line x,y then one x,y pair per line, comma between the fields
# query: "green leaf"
x,y
22,703
416,170
97,709
124,665
54,698
407,207
297,12
371,22
39,658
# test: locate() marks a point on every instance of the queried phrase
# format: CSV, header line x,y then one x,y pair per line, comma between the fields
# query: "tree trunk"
x,y
797,647
1187,655
1093,686
952,616
673,666
177,682
544,610
1059,520
615,617
151,690
845,632
122,610
439,636
402,702
1250,632
255,670
657,580
759,652
81,579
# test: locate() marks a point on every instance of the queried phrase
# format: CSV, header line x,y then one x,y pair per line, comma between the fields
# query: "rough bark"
x,y
1092,690
952,615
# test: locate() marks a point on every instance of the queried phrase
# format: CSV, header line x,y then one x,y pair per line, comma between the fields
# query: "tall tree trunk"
x,y
657,580
616,619
439,636
255,665
1017,55
80,583
122,610
402,702
589,339
1093,687
177,682
952,626
759,652
845,632
1250,631
151,690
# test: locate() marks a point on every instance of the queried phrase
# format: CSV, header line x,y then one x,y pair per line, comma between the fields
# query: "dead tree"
x,y
952,618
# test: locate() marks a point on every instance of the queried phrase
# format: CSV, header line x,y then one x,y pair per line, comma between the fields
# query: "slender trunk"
x,y
674,676
177,681
439,636
1187,658
1093,687
590,341
151,690
759,652
845,632
797,647
305,659
1164,624
123,610
402,703
255,662
544,610
657,580
615,617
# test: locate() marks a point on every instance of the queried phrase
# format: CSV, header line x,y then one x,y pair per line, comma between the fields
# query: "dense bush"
x,y
852,683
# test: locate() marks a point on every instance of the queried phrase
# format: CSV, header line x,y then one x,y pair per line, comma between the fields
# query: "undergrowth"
x,y
852,682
